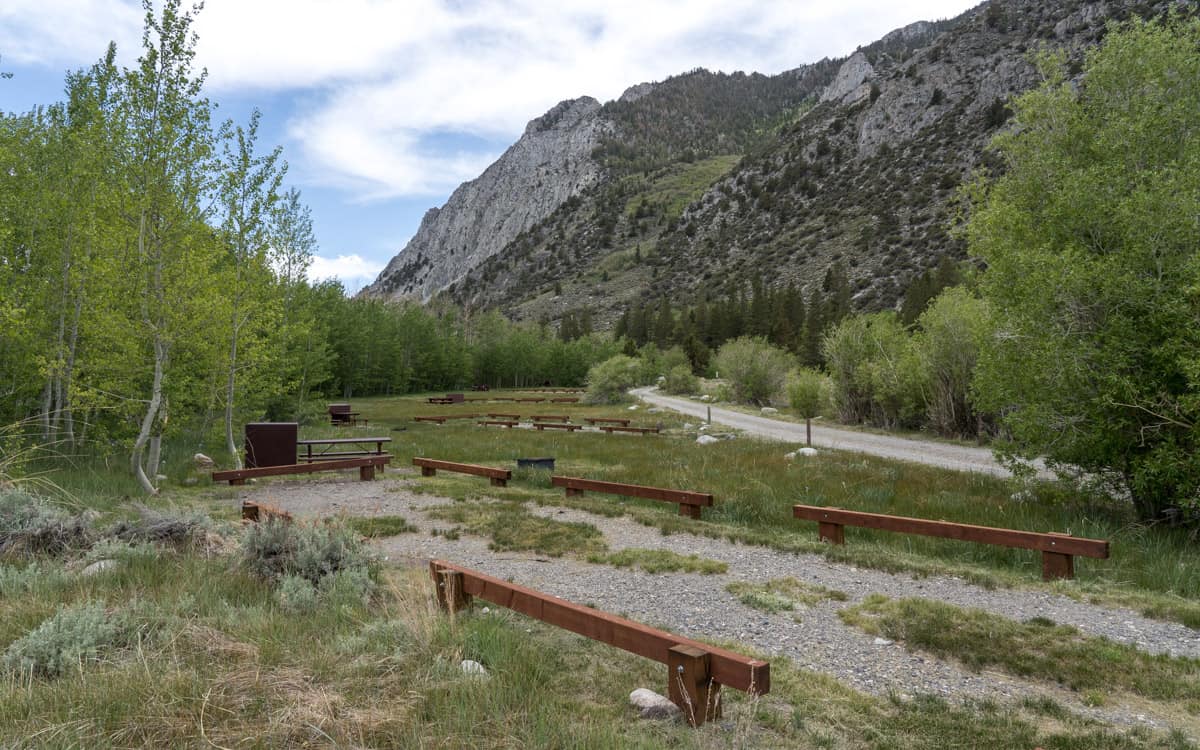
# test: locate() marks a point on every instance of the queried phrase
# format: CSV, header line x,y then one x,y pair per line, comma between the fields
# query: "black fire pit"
x,y
536,463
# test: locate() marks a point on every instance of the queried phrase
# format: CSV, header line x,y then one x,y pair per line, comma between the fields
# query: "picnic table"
x,y
328,446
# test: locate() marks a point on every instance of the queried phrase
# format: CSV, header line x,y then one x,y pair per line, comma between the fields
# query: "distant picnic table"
x,y
329,444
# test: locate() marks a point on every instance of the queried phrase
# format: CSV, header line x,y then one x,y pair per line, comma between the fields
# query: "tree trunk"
x,y
139,445
230,385
155,454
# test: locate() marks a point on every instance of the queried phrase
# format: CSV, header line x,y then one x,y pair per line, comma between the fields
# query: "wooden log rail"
x,y
611,428
540,426
430,466
1058,550
607,420
366,469
551,417
695,671
689,502
253,512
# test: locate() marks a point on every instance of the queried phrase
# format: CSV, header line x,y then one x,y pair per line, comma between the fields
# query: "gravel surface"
x,y
698,605
930,453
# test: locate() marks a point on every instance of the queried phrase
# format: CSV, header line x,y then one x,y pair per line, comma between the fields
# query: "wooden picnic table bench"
x,y
366,469
695,671
607,420
539,426
498,423
611,428
340,414
1058,550
689,502
551,417
430,466
498,415
330,444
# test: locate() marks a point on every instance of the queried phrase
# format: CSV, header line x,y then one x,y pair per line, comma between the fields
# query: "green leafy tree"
x,y
608,381
807,392
756,369
950,334
1090,239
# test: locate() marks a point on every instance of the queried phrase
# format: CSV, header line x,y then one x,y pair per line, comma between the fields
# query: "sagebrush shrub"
x,y
66,641
31,524
680,380
277,549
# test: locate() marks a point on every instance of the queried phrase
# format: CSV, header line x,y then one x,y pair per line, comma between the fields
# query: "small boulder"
x,y
651,705
203,462
633,408
806,451
706,398
98,567
707,440
790,456
767,411
474,668
883,642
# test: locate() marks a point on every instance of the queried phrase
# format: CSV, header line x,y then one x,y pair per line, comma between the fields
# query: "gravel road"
x,y
699,606
944,455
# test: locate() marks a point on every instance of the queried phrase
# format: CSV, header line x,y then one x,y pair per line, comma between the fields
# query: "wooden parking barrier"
x,y
253,512
430,466
695,671
498,423
689,502
366,469
621,421
611,428
439,420
1058,550
551,417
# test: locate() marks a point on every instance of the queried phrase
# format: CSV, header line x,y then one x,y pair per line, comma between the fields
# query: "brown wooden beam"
x,y
1062,544
725,667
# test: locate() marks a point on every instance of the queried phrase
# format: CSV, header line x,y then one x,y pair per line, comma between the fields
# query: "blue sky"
x,y
383,107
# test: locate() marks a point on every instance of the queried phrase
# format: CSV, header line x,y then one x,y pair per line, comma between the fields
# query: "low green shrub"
x,y
66,641
31,524
680,380
277,549
608,381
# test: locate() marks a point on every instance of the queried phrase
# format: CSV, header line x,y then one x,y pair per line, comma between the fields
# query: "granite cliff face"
x,y
703,184
550,163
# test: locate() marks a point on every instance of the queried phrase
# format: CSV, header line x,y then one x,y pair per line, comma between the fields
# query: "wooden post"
x,y
689,511
237,481
1056,565
834,533
428,471
451,595
690,687
499,482
366,473
250,512
572,492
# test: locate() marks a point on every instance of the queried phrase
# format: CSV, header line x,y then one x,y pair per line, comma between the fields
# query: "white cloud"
x,y
370,79
354,271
